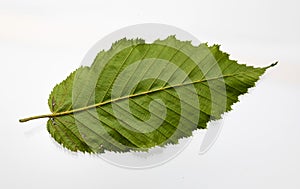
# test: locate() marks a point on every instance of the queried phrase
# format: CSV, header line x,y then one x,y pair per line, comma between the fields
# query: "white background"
x,y
41,42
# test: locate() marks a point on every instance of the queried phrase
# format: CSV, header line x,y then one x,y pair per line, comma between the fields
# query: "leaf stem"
x,y
36,117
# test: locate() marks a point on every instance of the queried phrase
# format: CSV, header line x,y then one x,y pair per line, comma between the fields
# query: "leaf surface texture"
x,y
139,95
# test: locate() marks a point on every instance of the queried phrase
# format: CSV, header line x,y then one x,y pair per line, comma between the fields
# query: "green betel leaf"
x,y
138,95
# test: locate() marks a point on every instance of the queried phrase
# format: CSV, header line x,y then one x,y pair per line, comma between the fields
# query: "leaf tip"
x,y
272,65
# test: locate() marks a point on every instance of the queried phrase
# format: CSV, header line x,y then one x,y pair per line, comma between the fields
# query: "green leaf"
x,y
138,95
